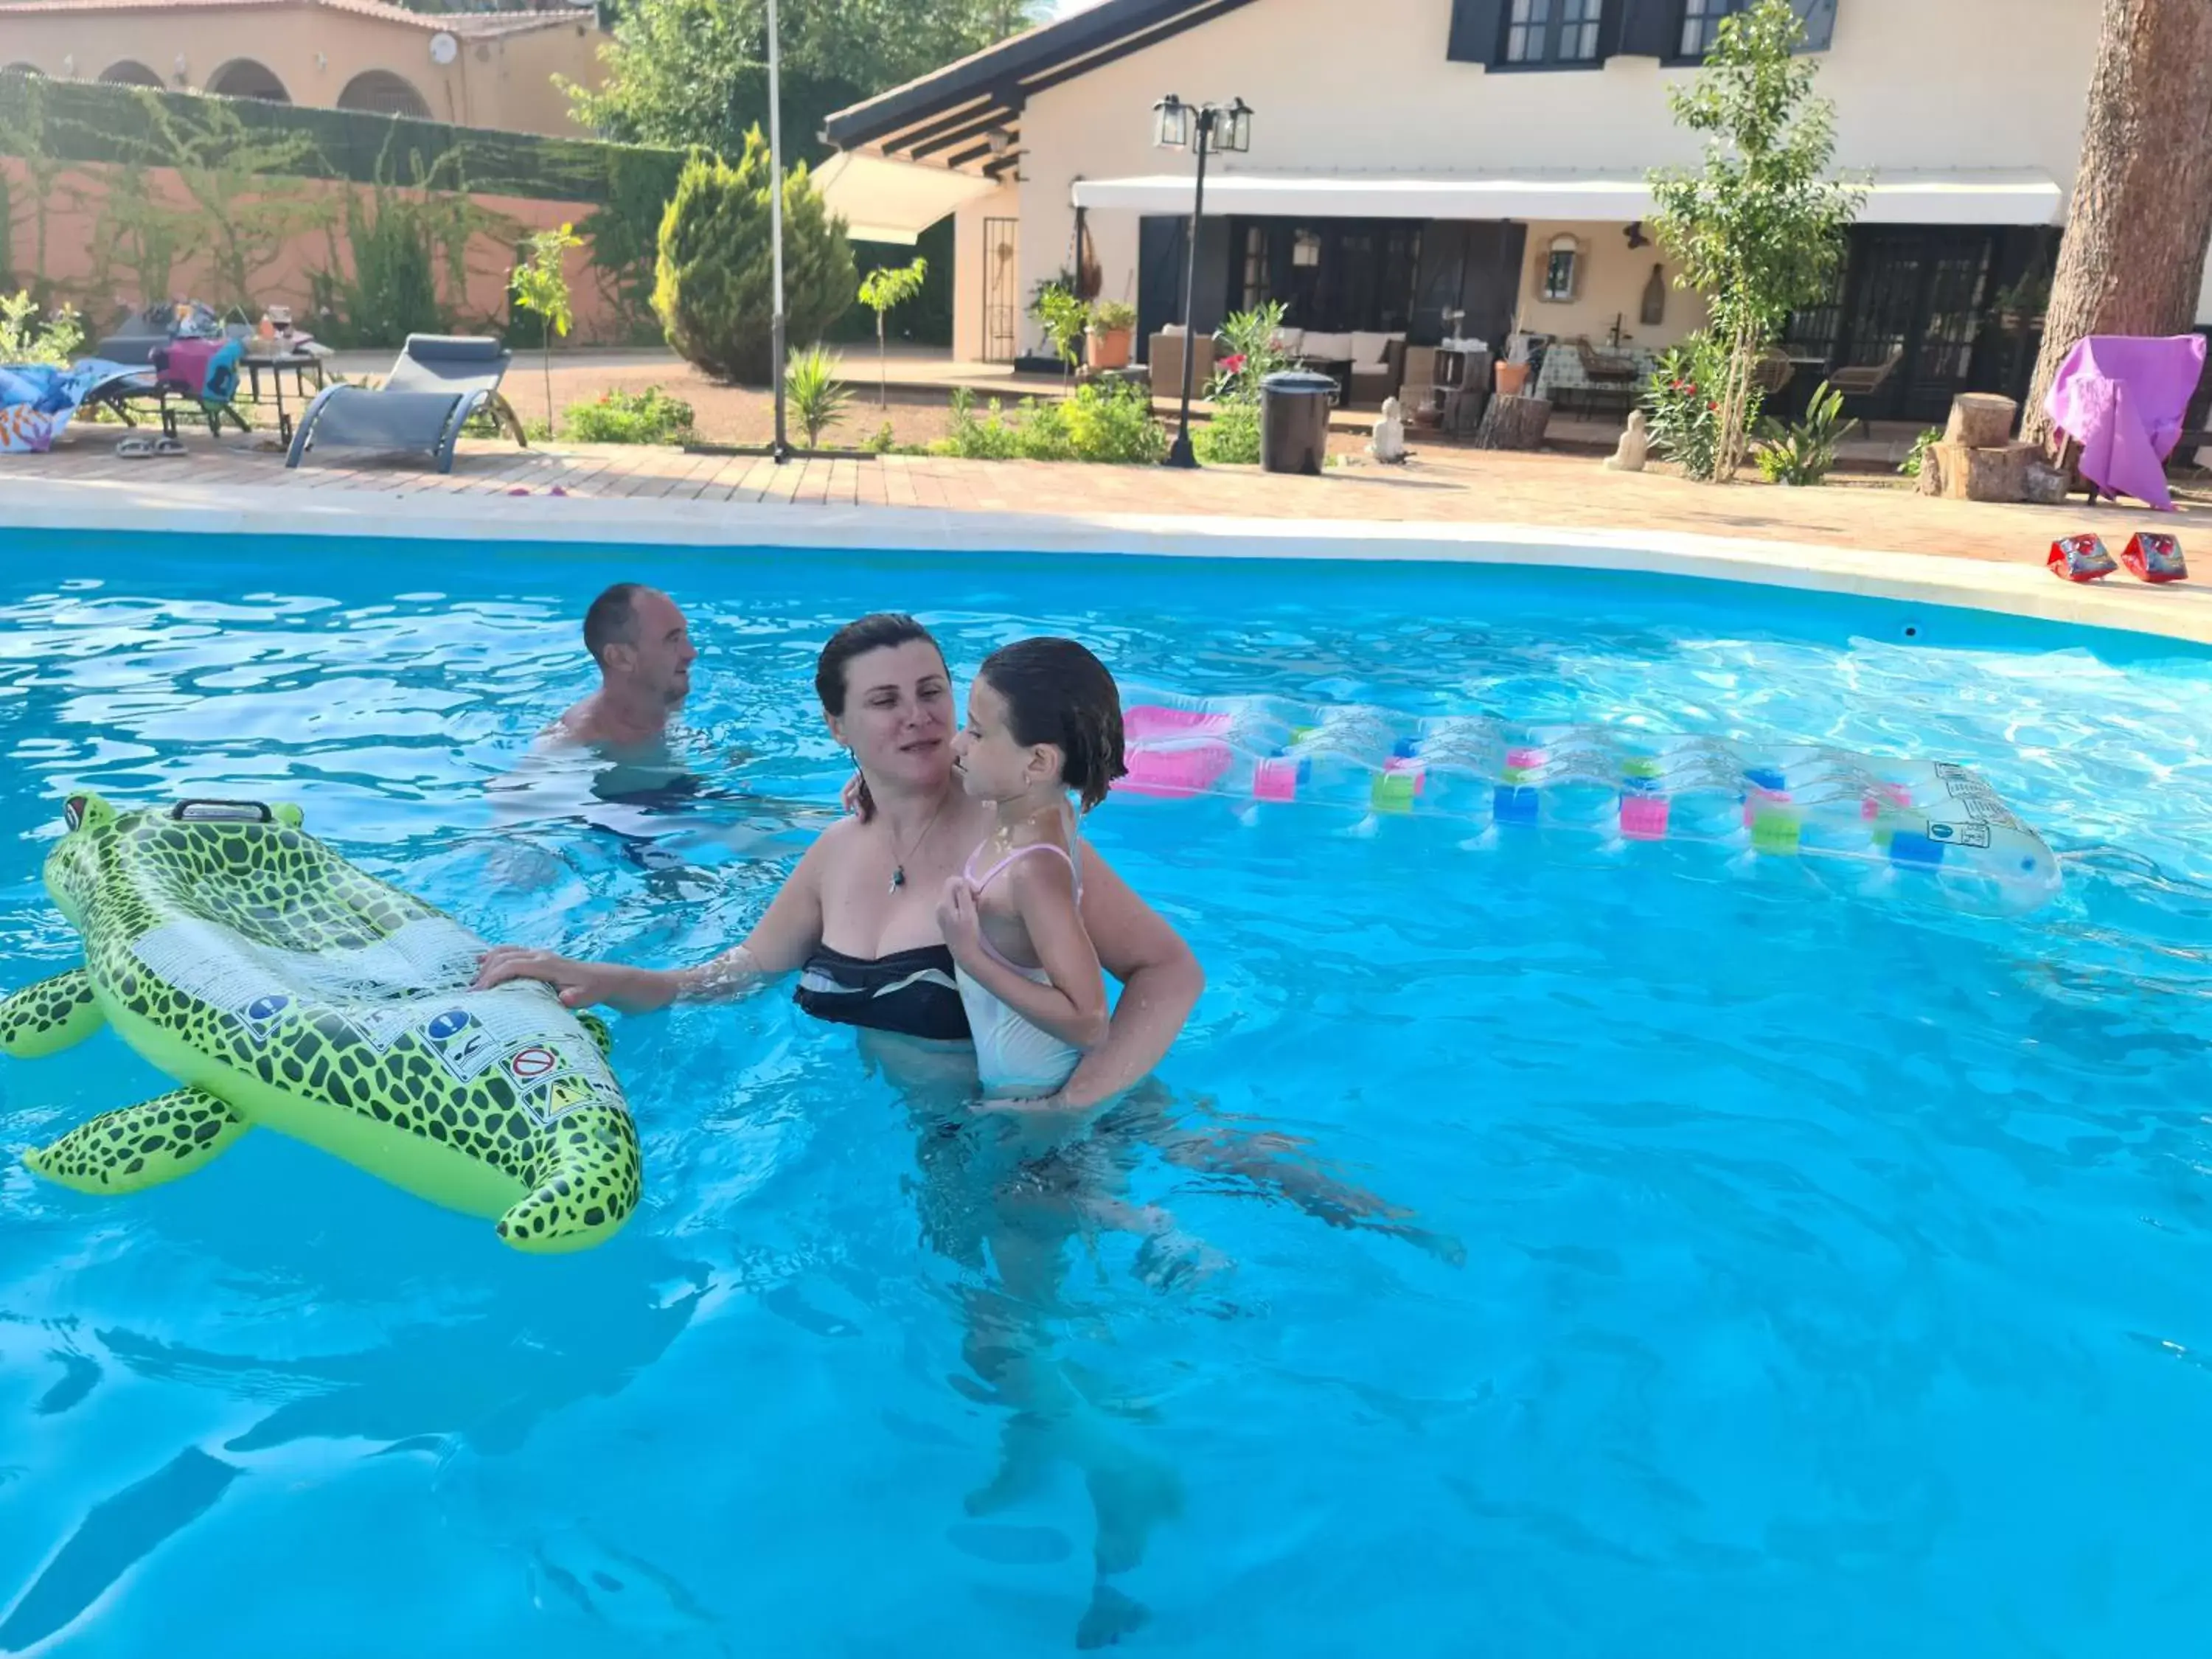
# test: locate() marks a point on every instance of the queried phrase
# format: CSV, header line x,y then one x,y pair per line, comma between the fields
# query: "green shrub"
x,y
714,290
993,438
1804,453
1231,438
393,289
1682,404
1110,423
815,393
25,339
1910,465
650,416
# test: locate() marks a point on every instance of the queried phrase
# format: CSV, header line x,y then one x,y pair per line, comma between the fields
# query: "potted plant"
x,y
1113,327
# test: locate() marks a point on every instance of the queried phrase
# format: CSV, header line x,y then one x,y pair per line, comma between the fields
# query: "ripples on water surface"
x,y
1835,1270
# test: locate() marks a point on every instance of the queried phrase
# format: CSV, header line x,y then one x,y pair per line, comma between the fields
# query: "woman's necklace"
x,y
898,867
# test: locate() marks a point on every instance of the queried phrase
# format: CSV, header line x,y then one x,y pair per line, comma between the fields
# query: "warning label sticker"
x,y
1976,798
403,989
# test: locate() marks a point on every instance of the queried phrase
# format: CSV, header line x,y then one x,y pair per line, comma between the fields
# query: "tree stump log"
x,y
1980,420
1514,423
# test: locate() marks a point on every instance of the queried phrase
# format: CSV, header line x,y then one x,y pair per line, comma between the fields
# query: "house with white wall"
x,y
1432,167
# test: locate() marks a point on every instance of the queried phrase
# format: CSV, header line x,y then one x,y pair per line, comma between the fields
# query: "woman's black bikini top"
x,y
911,993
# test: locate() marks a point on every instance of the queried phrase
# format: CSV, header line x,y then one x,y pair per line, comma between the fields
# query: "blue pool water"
x,y
1800,1272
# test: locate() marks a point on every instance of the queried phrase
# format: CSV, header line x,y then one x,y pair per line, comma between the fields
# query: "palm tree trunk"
x,y
2133,259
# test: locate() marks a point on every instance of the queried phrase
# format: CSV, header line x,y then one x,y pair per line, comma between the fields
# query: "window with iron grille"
x,y
1524,31
1579,26
1552,31
1701,24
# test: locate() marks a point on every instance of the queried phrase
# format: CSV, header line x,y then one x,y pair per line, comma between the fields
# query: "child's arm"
x,y
1074,1007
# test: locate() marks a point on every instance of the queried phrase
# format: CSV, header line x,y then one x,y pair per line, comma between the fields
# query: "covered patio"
x,y
1923,307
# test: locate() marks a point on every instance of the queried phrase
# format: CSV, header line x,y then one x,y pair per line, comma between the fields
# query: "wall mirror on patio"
x,y
1563,270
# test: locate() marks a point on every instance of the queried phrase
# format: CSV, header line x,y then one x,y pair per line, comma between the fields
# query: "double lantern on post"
x,y
1208,129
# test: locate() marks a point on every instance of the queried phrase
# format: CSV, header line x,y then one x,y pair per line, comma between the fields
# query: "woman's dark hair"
x,y
878,632
1057,692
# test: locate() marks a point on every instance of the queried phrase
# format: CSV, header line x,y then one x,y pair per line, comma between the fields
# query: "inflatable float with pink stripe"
x,y
1916,817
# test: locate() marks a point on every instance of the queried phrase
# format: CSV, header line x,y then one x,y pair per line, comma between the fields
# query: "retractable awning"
x,y
1900,198
886,200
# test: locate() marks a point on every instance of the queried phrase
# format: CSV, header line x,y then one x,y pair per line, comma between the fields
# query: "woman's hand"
x,y
960,920
580,984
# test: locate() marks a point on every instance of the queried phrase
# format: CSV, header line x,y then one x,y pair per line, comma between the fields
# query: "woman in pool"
x,y
857,919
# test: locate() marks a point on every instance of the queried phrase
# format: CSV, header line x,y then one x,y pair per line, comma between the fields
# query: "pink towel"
x,y
2124,400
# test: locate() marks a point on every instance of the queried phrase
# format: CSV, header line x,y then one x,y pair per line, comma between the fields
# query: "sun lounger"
x,y
437,383
37,401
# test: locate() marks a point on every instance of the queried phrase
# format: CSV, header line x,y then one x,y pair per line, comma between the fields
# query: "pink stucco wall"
x,y
72,226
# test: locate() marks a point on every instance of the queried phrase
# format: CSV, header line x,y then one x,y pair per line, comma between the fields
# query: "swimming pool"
x,y
1801,1271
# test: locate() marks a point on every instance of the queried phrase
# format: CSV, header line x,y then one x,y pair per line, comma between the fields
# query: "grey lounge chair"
x,y
438,381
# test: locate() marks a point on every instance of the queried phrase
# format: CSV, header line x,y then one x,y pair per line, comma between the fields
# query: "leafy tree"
x,y
1065,319
2133,257
715,291
1759,232
540,284
883,291
683,72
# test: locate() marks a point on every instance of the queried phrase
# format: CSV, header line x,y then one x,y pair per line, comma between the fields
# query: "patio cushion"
x,y
1372,351
1291,340
1326,348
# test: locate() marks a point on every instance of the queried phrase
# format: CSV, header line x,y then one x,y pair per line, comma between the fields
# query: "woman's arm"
x,y
1072,1007
1160,983
779,943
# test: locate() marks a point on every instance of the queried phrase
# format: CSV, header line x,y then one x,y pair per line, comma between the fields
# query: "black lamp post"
x,y
1205,128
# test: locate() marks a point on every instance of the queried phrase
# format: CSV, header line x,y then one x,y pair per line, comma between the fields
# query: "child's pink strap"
x,y
997,869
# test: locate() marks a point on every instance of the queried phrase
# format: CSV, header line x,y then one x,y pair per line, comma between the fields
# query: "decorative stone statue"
x,y
1635,446
1390,444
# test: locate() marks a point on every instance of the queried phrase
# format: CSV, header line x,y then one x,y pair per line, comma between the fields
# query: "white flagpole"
x,y
775,218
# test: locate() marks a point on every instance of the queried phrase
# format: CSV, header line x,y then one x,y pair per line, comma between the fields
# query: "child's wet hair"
x,y
1057,692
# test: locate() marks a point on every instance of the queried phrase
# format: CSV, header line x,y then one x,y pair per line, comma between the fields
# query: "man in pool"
x,y
643,647
608,760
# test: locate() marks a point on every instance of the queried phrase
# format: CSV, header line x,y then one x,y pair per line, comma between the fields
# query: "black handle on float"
x,y
226,811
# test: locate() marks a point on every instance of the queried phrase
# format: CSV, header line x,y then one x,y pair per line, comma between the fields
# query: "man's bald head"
x,y
641,643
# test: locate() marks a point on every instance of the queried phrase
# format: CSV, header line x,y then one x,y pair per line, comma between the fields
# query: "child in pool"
x,y
1044,718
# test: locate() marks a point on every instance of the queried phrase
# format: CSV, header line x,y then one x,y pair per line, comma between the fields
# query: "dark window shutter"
x,y
1609,22
1651,28
1819,17
1476,28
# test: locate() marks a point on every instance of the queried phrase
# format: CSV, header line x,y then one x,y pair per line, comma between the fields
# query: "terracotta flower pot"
x,y
1109,348
1511,378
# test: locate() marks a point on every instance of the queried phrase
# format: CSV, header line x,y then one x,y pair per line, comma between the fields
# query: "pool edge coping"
x,y
2017,589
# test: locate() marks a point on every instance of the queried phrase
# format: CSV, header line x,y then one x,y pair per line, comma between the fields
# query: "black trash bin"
x,y
1294,421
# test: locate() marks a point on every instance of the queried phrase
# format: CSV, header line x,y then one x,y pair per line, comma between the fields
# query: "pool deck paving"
x,y
1529,508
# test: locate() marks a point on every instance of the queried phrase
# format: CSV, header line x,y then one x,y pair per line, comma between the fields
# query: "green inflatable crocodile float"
x,y
284,989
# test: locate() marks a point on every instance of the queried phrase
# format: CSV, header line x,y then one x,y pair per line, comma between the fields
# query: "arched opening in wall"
x,y
129,74
379,92
24,68
242,78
